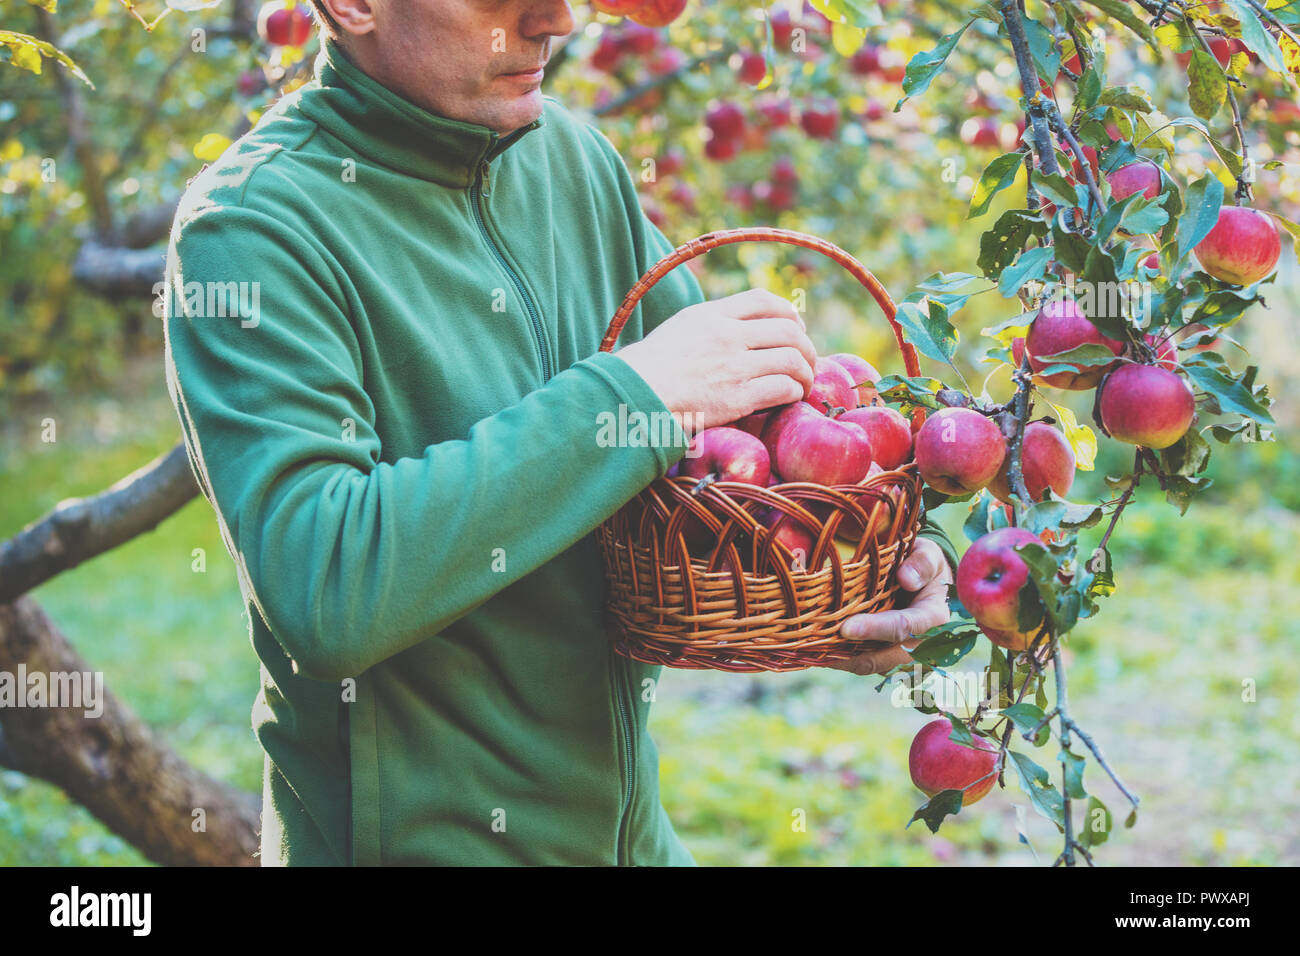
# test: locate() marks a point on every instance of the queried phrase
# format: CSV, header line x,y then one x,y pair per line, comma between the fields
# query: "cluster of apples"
x,y
841,433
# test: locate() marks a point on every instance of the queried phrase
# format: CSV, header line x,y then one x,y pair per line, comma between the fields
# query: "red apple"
x,y
725,120
823,450
990,575
833,387
981,131
778,420
284,25
607,54
617,8
782,28
658,13
863,375
1243,247
797,538
637,39
683,194
1146,405
753,423
773,110
958,450
938,763
666,59
753,67
890,434
721,149
1046,459
820,118
740,196
671,162
784,171
729,453
1061,326
1018,350
1140,177
866,61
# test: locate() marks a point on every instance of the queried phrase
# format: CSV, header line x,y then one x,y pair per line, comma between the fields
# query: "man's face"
x,y
455,57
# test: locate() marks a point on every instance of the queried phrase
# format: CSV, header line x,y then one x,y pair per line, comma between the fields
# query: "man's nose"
x,y
547,18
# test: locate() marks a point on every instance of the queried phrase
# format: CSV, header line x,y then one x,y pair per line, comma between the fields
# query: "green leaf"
x,y
927,64
1095,829
1207,84
953,642
1051,515
1131,820
929,330
1233,396
1042,48
918,391
943,282
1037,786
1292,228
1187,456
1055,187
1202,200
1180,490
945,803
1257,38
999,245
1030,267
1145,216
976,525
1027,717
1089,89
1126,98
1074,765
997,176
1125,14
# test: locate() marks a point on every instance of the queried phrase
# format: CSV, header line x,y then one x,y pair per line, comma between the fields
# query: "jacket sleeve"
x,y
347,558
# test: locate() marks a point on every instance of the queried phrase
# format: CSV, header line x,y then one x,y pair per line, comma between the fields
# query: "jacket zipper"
x,y
629,763
482,187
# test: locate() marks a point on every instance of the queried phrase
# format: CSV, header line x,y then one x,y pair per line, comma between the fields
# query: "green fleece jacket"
x,y
381,334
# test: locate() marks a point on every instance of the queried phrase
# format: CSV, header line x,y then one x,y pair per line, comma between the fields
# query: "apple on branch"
x,y
989,578
938,763
1046,460
1146,405
1243,247
1059,327
959,451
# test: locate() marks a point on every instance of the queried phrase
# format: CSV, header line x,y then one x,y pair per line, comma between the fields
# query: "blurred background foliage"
x,y
1204,601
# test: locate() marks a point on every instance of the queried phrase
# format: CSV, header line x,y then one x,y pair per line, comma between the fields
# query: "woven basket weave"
x,y
746,602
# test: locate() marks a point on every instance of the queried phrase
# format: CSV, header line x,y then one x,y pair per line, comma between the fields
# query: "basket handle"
x,y
711,240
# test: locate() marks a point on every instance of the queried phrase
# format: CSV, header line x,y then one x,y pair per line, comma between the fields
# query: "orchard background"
x,y
1186,677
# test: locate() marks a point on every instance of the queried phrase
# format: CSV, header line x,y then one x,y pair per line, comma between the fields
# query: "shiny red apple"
x,y
1046,460
958,450
1146,405
1243,247
1061,326
890,434
990,575
938,763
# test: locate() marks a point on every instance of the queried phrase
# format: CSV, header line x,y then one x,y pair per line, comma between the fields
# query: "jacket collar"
x,y
388,129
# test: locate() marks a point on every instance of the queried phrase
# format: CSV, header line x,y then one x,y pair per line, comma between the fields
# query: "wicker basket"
x,y
746,602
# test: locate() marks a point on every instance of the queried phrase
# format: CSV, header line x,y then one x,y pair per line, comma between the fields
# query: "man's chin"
x,y
519,111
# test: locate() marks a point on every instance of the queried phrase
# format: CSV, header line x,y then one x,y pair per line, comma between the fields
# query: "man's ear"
x,y
354,17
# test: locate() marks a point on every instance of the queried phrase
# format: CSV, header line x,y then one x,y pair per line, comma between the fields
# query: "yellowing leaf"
x,y
1290,54
847,40
211,146
1082,439
25,57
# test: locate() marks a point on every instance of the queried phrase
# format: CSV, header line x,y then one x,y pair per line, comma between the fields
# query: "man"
x,y
397,431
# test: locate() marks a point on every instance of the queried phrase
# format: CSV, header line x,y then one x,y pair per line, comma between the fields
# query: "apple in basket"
x,y
881,516
863,374
832,387
889,432
791,533
827,451
728,454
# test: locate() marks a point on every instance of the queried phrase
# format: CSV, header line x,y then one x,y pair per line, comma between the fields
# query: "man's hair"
x,y
325,19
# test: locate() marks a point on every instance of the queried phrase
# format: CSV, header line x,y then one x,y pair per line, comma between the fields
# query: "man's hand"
x,y
727,358
926,571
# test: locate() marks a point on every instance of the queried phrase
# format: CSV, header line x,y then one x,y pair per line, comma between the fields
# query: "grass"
x,y
806,768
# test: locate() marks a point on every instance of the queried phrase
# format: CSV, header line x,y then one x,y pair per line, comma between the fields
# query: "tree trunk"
x,y
113,764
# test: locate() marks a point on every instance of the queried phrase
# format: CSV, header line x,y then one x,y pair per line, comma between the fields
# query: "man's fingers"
x,y
899,625
923,565
875,661
758,304
778,333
